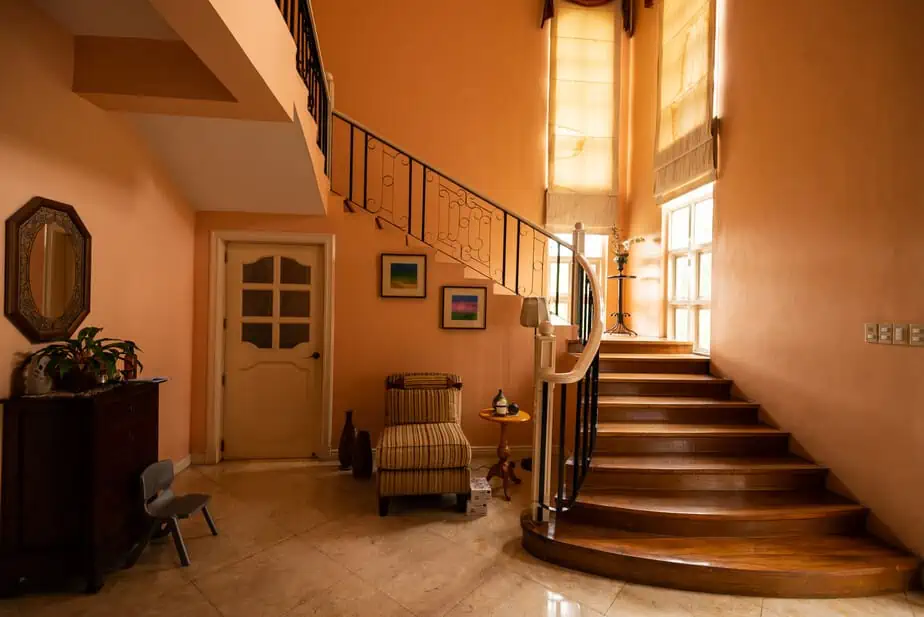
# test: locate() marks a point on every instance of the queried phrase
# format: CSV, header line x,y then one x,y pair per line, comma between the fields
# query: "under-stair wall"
x,y
375,336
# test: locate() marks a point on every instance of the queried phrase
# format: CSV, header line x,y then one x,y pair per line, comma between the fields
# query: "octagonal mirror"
x,y
47,270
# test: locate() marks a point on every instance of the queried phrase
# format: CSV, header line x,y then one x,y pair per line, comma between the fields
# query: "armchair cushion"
x,y
423,446
422,405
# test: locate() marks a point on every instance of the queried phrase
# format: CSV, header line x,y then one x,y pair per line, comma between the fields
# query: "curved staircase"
x,y
688,489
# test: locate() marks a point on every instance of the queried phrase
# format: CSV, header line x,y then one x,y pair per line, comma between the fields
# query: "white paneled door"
x,y
273,351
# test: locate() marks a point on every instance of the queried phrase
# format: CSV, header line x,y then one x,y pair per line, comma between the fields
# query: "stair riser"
x,y
696,367
717,390
635,347
707,481
639,570
732,446
680,415
849,523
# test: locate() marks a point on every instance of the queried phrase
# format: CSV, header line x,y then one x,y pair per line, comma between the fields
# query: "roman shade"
x,y
685,149
584,109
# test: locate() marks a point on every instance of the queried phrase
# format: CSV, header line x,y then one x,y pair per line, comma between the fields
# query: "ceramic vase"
x,y
347,437
362,456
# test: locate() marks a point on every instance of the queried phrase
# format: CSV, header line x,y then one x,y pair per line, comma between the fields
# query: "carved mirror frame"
x,y
19,303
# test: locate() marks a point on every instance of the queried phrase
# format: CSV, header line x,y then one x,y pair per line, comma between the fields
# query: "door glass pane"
x,y
293,334
682,278
295,304
259,335
682,324
679,229
294,273
257,303
702,222
705,329
260,271
705,276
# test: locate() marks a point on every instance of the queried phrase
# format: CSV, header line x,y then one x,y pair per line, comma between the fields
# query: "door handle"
x,y
316,355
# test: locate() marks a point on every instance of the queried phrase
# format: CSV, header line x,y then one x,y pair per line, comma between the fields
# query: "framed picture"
x,y
404,276
464,308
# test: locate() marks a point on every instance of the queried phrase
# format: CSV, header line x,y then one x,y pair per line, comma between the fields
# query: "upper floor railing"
x,y
403,191
300,20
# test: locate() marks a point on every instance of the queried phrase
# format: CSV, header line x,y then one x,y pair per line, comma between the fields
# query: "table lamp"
x,y
534,312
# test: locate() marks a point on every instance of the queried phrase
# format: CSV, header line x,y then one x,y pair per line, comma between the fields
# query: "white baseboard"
x,y
479,451
181,464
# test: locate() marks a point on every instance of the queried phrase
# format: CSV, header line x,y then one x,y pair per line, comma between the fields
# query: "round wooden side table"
x,y
504,468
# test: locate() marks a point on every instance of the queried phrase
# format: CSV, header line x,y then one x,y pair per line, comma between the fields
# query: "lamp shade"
x,y
534,312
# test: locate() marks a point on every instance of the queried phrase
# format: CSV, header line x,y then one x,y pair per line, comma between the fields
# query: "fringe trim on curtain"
x,y
596,211
687,163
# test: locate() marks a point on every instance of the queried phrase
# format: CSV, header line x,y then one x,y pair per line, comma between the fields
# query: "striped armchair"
x,y
422,450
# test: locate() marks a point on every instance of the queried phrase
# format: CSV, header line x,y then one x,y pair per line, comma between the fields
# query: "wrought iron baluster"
x,y
543,448
516,282
578,456
562,452
558,282
352,159
366,171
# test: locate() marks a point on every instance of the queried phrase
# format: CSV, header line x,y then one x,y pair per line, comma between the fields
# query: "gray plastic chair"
x,y
165,509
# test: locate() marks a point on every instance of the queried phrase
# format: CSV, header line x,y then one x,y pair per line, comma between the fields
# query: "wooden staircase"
x,y
688,489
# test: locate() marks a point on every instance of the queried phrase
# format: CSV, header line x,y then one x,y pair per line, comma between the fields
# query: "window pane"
x,y
257,303
564,275
294,303
705,329
705,276
682,278
702,222
258,334
260,271
594,245
679,224
293,334
294,273
682,324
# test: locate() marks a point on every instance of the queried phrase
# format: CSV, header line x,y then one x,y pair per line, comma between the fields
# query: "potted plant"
x,y
84,362
621,248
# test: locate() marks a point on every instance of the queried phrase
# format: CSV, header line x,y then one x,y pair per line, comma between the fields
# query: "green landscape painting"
x,y
404,276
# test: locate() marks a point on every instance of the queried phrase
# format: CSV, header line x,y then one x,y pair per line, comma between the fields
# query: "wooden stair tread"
x,y
670,401
638,429
722,505
785,555
660,378
653,357
697,463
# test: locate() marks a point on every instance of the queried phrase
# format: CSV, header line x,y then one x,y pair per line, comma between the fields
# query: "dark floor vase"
x,y
347,437
362,456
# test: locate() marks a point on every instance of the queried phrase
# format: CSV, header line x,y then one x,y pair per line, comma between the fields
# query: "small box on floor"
x,y
480,490
475,509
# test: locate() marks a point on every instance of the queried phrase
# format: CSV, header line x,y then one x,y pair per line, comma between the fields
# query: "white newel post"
x,y
577,241
544,363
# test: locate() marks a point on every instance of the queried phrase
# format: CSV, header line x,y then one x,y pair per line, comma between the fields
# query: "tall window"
x,y
583,112
595,251
688,225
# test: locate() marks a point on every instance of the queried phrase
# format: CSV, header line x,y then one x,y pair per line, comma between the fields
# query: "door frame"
x,y
218,243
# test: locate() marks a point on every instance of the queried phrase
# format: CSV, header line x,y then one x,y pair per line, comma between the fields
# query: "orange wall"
x,y
55,144
462,84
818,215
374,337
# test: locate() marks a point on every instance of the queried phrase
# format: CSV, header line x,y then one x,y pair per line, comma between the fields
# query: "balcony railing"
x,y
300,20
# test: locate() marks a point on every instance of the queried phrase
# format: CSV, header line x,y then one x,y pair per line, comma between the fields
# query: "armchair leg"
x,y
383,506
174,526
208,519
461,501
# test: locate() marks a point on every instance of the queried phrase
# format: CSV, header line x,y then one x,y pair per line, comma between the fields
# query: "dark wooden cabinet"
x,y
71,496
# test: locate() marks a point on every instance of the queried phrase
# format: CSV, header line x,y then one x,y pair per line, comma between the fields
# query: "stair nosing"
x,y
748,468
673,430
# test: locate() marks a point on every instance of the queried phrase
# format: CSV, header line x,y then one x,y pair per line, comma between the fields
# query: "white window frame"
x,y
694,252
599,264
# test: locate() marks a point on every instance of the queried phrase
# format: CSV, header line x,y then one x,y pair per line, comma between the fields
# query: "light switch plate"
x,y
916,334
872,332
899,334
885,334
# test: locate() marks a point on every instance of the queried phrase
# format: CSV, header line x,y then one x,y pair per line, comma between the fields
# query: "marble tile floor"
x,y
301,539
